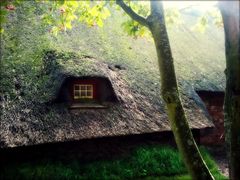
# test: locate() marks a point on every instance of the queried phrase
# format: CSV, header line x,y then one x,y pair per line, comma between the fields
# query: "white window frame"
x,y
83,91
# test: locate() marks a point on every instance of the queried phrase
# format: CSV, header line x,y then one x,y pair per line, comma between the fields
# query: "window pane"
x,y
89,94
83,93
83,87
76,87
76,93
89,87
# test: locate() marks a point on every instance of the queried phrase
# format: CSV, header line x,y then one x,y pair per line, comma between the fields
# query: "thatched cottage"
x,y
105,83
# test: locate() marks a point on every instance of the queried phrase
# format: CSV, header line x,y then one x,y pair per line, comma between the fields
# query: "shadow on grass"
x,y
144,162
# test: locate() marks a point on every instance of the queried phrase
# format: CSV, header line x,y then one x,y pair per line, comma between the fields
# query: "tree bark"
x,y
169,90
230,15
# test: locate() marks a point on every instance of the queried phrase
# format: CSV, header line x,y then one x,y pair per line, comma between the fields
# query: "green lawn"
x,y
149,162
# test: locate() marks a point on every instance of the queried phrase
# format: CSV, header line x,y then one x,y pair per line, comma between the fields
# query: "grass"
x,y
150,162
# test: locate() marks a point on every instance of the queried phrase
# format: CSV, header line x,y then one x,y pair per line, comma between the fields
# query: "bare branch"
x,y
141,20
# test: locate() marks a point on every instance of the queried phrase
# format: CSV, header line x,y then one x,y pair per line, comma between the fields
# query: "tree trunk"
x,y
230,15
169,89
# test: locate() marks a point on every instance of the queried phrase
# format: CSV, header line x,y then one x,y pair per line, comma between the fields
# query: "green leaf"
x,y
68,25
100,23
1,30
60,2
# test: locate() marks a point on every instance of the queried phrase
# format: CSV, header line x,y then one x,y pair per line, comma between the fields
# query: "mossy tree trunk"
x,y
169,90
230,15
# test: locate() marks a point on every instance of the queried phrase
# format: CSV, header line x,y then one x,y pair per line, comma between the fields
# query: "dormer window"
x,y
83,91
87,92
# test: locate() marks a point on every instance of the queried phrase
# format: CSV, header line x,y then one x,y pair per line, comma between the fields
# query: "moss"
x,y
196,64
84,51
111,45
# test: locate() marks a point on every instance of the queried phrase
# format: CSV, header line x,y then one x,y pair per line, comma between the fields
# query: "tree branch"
x,y
141,20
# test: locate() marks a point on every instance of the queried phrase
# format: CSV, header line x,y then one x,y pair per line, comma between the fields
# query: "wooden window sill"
x,y
87,106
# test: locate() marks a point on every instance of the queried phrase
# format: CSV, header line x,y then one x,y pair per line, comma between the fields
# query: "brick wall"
x,y
214,104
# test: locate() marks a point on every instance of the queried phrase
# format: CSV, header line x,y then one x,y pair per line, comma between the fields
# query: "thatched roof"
x,y
131,67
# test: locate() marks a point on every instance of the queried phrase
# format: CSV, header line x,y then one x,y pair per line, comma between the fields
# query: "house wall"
x,y
214,104
89,149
